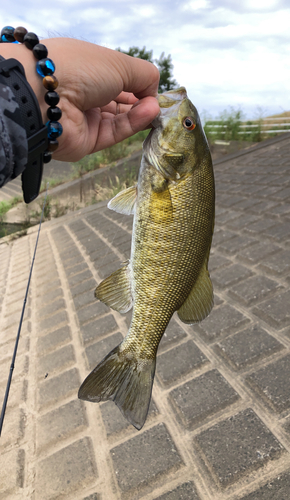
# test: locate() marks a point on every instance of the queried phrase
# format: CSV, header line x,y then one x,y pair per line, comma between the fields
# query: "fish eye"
x,y
188,123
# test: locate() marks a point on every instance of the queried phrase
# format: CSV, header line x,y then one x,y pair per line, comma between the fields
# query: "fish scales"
x,y
173,208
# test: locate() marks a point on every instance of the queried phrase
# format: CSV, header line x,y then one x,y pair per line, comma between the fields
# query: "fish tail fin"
x,y
125,379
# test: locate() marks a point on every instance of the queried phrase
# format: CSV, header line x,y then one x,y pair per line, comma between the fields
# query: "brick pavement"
x,y
219,422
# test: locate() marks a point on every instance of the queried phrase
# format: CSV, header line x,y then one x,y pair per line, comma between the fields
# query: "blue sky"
x,y
225,52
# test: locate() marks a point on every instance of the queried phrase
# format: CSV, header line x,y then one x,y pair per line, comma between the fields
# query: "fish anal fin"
x,y
124,379
199,302
124,202
115,291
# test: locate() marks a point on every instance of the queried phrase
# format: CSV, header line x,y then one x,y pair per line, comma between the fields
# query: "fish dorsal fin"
x,y
124,202
199,302
115,291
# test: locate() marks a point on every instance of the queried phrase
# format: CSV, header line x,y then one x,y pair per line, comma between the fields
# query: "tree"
x,y
164,65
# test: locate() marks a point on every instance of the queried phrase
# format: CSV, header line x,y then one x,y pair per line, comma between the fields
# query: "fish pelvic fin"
x,y
200,301
125,379
116,291
124,202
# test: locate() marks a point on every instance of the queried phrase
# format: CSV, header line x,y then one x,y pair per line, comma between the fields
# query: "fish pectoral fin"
x,y
199,302
124,202
116,291
124,379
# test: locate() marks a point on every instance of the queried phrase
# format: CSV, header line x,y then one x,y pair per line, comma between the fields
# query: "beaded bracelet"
x,y
45,68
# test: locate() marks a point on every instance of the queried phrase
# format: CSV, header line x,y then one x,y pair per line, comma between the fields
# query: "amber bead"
x,y
50,82
19,33
52,145
30,40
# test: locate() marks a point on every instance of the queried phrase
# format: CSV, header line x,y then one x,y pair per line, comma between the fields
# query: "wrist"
x,y
26,58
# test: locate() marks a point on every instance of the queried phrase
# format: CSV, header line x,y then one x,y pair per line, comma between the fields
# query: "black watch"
x,y
14,74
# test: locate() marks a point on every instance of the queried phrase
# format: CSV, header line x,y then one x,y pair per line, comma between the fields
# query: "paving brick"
x,y
254,254
46,288
203,396
220,236
66,471
20,369
11,332
271,383
254,289
55,339
6,350
276,489
85,286
179,361
260,226
223,278
280,231
242,221
52,322
84,299
76,279
237,446
12,466
77,268
114,421
13,429
221,320
275,311
50,309
92,311
143,459
17,395
216,261
72,260
96,352
173,334
235,244
61,423
277,264
49,297
55,389
98,328
56,361
246,347
185,491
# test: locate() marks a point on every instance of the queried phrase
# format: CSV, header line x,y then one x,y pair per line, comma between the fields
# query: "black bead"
x,y
47,157
51,98
40,51
54,114
30,40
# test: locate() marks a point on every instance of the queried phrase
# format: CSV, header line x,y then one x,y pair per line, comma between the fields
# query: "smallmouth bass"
x,y
173,207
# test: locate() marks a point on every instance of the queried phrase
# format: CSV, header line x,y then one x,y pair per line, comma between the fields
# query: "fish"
x,y
173,205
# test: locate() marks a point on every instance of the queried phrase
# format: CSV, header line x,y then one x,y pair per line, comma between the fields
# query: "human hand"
x,y
105,95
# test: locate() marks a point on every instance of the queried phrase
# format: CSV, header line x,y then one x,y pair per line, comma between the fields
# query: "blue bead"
x,y
7,34
54,129
45,67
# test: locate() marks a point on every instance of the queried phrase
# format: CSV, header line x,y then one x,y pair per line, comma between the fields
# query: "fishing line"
x,y
20,323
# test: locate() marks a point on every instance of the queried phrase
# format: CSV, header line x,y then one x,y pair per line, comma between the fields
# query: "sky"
x,y
227,53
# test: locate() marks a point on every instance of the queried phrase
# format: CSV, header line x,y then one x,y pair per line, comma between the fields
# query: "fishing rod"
x,y
20,323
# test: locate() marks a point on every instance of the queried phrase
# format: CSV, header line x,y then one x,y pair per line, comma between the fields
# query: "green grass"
x,y
230,125
99,159
5,206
